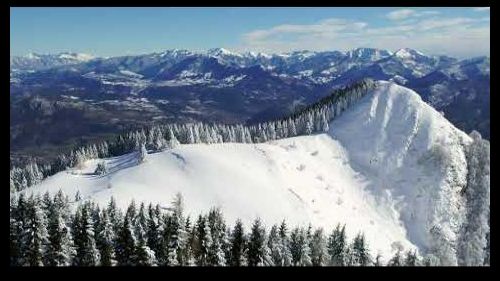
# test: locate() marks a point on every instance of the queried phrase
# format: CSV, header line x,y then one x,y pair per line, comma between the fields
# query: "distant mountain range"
x,y
220,85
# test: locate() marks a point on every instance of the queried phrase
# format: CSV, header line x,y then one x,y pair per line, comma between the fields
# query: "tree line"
x,y
311,119
44,231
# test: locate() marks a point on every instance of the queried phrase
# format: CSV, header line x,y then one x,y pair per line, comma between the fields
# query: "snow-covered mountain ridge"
x,y
390,166
277,80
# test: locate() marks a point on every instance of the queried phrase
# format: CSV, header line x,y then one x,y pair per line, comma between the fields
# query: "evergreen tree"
x,y
360,253
337,246
144,256
309,125
256,254
472,242
411,259
318,248
431,260
142,152
114,214
83,233
78,197
16,231
153,232
172,140
238,244
273,245
61,204
171,239
35,236
324,122
126,243
158,141
105,240
187,251
202,239
101,168
61,249
190,136
215,254
299,247
46,203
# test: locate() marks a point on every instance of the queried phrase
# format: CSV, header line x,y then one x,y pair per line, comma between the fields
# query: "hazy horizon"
x,y
109,32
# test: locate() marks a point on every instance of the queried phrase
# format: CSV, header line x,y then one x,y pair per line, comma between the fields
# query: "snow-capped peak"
x,y
390,166
217,52
258,55
76,56
406,53
32,56
175,52
368,53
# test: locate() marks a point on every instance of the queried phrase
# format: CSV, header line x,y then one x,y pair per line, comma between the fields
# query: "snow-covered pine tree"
x,y
101,168
284,248
61,203
201,240
35,236
126,243
78,196
299,247
16,229
153,228
192,240
273,245
196,133
238,245
61,249
324,122
115,215
257,253
172,140
442,247
171,239
182,245
411,258
318,248
83,235
487,249
430,260
142,152
472,242
337,246
271,131
190,136
262,134
144,256
186,251
215,253
309,124
105,237
361,256
46,203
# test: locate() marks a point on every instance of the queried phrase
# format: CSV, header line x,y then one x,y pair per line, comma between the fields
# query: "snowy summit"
x,y
389,166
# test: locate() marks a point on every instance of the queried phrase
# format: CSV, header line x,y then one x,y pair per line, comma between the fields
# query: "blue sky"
x,y
461,32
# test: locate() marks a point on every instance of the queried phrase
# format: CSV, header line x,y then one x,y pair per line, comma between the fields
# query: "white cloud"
x,y
400,14
404,14
482,9
455,36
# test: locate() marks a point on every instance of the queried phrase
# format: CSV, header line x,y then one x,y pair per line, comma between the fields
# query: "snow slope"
x,y
390,166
